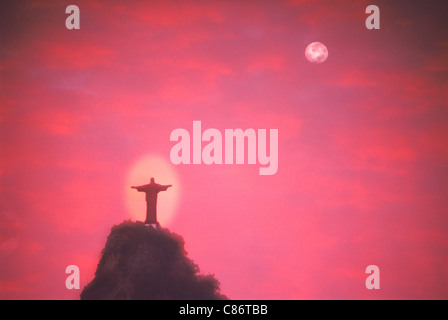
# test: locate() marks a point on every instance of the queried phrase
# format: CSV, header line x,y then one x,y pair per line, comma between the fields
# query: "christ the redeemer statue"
x,y
151,191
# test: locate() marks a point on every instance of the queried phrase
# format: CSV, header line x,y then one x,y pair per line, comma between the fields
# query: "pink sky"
x,y
362,173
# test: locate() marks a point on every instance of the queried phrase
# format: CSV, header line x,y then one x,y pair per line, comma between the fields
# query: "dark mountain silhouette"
x,y
141,262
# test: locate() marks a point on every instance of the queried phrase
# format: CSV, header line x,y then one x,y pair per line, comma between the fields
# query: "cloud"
x,y
142,263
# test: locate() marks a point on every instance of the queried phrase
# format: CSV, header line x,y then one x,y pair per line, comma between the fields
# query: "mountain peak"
x,y
140,262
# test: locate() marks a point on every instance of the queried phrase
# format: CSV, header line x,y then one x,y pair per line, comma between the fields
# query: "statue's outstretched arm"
x,y
142,186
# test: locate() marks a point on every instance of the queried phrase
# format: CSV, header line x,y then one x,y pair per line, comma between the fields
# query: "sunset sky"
x,y
363,142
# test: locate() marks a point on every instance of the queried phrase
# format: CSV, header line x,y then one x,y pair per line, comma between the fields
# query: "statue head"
x,y
152,181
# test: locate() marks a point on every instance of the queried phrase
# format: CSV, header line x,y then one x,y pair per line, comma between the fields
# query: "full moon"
x,y
316,52
140,173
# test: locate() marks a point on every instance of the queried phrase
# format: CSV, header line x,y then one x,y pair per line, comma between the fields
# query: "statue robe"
x,y
151,191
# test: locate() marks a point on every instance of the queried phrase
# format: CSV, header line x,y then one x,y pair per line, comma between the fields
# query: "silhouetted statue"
x,y
151,191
